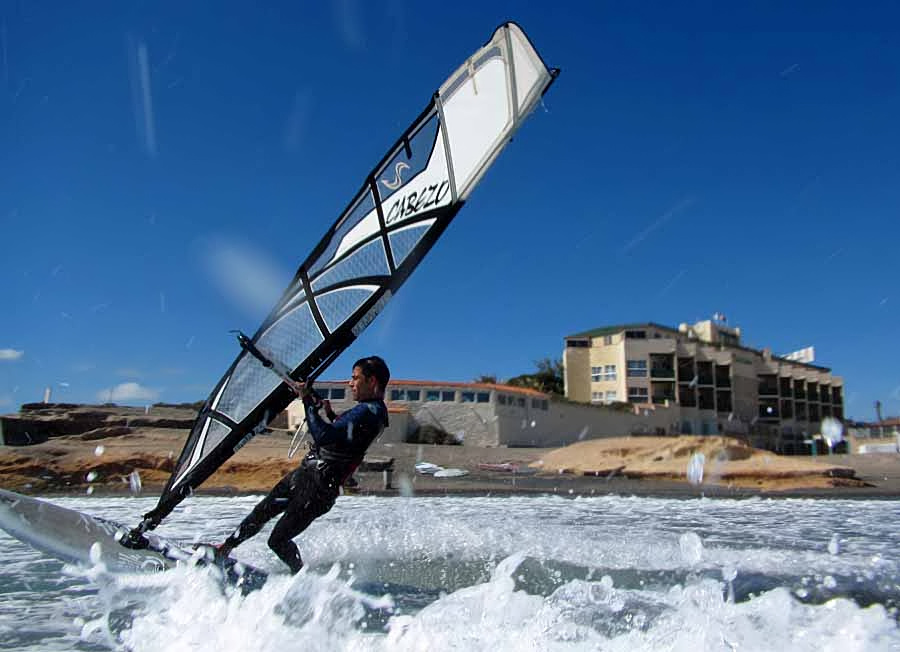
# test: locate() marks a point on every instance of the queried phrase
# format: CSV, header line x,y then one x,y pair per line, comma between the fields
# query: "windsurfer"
x,y
337,448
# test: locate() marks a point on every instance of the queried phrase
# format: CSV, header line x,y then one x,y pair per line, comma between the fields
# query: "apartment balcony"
x,y
787,409
768,413
769,407
662,366
723,375
687,395
784,386
706,399
686,371
723,401
812,392
768,385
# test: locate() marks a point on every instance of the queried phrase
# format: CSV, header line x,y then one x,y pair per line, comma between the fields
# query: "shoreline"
x,y
61,467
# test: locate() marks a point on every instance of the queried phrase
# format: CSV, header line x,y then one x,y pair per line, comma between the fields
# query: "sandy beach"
x,y
622,465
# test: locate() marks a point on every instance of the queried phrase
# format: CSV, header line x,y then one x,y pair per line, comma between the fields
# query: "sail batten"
x,y
393,220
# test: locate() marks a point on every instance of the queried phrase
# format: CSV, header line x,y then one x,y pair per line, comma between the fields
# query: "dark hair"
x,y
374,366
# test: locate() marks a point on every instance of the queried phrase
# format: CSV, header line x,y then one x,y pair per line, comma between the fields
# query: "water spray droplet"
x,y
99,451
695,468
91,476
832,431
691,547
405,485
96,552
834,546
729,572
134,481
90,490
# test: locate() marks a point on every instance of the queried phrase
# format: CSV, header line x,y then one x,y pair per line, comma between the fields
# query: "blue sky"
x,y
689,160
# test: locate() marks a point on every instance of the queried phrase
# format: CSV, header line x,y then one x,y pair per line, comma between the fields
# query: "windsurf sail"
x,y
400,211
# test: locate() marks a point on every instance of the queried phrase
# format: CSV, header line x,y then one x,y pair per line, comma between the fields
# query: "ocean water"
x,y
492,573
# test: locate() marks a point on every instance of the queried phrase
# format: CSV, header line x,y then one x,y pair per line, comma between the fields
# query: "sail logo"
x,y
416,201
398,179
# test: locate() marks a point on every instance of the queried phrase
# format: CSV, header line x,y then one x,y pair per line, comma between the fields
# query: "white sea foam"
x,y
547,573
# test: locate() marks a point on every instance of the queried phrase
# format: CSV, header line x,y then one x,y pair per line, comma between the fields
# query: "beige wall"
x,y
577,368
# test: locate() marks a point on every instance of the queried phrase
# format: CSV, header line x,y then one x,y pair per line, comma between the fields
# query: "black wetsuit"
x,y
310,490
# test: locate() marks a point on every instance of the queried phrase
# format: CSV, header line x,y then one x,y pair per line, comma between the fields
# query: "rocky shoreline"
x,y
125,450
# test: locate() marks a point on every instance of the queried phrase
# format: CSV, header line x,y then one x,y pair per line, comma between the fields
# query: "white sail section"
x,y
397,215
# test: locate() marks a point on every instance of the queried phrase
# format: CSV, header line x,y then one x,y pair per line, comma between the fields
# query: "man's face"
x,y
362,387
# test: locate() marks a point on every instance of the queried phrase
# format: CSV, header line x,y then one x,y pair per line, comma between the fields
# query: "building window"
x,y
596,374
609,372
611,396
638,394
338,393
501,399
636,335
468,397
596,397
432,395
575,344
483,397
405,394
520,402
607,340
637,368
448,396
413,395
545,404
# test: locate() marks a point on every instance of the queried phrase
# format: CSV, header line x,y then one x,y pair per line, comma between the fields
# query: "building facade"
x,y
717,384
482,414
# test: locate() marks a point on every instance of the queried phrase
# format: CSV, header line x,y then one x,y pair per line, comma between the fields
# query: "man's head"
x,y
370,377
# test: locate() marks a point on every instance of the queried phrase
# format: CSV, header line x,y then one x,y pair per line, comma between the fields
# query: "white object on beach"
x,y
450,473
427,468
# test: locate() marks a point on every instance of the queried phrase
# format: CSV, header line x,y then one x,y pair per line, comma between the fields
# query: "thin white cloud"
x,y
244,274
128,392
10,354
348,16
142,98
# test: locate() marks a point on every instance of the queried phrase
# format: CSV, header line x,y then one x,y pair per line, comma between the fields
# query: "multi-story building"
x,y
717,384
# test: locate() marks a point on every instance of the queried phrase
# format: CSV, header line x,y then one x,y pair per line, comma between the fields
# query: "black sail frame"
x,y
405,231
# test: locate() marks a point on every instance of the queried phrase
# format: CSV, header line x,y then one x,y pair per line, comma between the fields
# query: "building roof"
x,y
508,389
611,330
